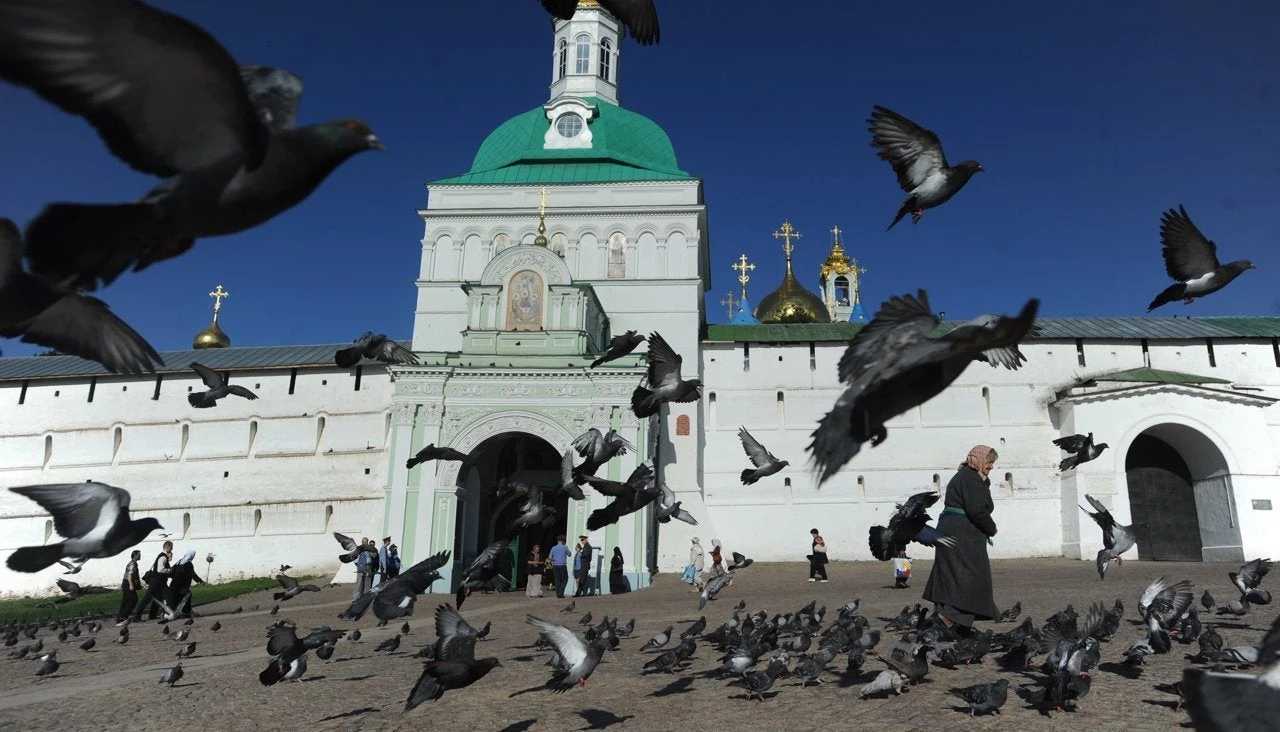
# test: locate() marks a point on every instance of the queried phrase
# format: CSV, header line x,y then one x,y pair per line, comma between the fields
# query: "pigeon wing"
x,y
241,392
914,152
281,638
562,9
1187,253
618,443
210,377
588,442
639,16
1253,572
1220,701
901,321
274,93
1073,444
163,94
760,457
77,508
286,582
1009,357
664,363
392,352
346,541
572,649
489,554
85,326
610,487
66,586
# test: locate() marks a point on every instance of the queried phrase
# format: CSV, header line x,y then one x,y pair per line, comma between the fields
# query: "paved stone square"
x,y
117,687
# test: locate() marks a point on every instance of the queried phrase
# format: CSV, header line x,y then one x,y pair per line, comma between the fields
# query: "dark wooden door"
x,y
1162,502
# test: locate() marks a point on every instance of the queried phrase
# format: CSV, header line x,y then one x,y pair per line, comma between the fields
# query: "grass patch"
x,y
109,603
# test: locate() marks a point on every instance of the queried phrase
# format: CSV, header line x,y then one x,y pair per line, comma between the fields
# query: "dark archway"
x,y
484,517
1180,497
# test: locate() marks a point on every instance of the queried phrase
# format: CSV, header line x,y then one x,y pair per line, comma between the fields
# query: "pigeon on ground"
x,y
598,449
665,384
291,588
1081,448
395,597
92,517
45,313
172,675
376,347
917,158
484,573
637,492
667,508
404,629
431,452
910,522
578,659
658,640
885,682
1116,539
639,17
218,388
569,608
1192,261
167,99
1233,702
1165,602
1247,580
438,676
50,665
390,645
187,650
894,364
983,698
763,460
1207,600
1011,614
352,548
73,591
619,346
88,644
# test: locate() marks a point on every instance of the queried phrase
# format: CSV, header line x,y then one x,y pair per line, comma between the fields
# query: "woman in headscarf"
x,y
697,562
960,583
618,582
180,578
717,559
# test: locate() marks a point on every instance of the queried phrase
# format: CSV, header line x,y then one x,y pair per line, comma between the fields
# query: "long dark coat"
x,y
961,577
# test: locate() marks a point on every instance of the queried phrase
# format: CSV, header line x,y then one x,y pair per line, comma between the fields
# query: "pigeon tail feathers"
x,y
908,206
1067,463
1172,293
35,558
643,404
749,477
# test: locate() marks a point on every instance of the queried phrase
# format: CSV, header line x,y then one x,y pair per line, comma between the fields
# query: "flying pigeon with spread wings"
x,y
917,158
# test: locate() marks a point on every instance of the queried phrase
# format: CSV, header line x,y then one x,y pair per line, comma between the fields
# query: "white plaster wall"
x,y
306,482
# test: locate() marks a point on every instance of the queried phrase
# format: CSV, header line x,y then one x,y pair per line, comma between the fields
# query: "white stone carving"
x,y
418,388
564,390
472,390
517,390
402,413
533,257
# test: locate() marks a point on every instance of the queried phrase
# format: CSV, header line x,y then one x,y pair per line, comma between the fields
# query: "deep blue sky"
x,y
1091,118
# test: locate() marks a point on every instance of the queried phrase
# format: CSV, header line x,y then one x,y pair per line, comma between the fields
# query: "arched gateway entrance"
x,y
483,516
1180,497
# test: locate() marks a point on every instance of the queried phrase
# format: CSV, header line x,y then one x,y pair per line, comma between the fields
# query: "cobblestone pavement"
x,y
117,687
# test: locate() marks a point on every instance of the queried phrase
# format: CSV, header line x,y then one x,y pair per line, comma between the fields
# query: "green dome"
x,y
624,146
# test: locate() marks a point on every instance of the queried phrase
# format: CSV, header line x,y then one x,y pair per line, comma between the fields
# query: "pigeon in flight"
x,y
534,511
51,315
92,517
639,17
668,508
283,643
1192,261
438,676
894,364
291,588
910,522
218,388
167,99
431,452
637,492
352,548
568,481
484,572
395,597
75,591
596,449
72,567
766,464
1248,579
1116,539
578,659
1081,448
1235,701
917,158
376,347
665,384
619,346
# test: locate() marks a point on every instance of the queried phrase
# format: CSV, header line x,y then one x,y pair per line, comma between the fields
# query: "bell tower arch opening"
x,y
1180,497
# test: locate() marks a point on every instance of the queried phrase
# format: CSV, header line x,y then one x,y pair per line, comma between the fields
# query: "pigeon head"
x,y
352,135
144,526
1101,446
1240,265
969,167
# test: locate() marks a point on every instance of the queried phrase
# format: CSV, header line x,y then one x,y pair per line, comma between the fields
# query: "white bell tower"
x,y
585,58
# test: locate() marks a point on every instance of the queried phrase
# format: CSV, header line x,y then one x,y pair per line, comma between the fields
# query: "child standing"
x,y
901,569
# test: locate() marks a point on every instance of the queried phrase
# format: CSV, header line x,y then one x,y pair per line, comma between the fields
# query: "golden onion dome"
x,y
211,337
792,303
837,263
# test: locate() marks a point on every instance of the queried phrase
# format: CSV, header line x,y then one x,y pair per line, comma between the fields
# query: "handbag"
x,y
688,573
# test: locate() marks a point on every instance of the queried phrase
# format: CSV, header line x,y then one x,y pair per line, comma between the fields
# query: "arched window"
x,y
617,256
559,243
582,54
842,290
606,58
563,65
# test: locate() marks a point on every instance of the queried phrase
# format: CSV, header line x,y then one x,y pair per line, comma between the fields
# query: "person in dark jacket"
x,y
618,582
180,578
960,583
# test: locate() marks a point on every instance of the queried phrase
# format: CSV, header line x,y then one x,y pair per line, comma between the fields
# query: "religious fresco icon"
x,y
524,301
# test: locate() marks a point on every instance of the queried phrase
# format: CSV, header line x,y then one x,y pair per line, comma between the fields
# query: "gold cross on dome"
x,y
786,234
835,233
730,303
217,296
743,277
542,202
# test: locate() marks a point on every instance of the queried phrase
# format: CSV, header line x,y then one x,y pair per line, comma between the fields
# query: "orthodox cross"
x,y
730,303
217,296
542,202
856,273
786,234
835,232
743,277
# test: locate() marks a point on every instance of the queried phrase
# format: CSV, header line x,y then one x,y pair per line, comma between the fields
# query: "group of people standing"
x,y
168,586
693,571
552,569
375,564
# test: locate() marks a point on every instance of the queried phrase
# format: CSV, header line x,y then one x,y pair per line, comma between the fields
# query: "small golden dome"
x,y
211,337
837,263
792,303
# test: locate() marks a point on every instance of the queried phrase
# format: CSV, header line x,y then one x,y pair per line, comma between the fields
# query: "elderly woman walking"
x,y
697,561
960,583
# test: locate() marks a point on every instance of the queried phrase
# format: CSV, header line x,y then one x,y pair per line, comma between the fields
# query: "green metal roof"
x,y
624,146
1131,328
1158,376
